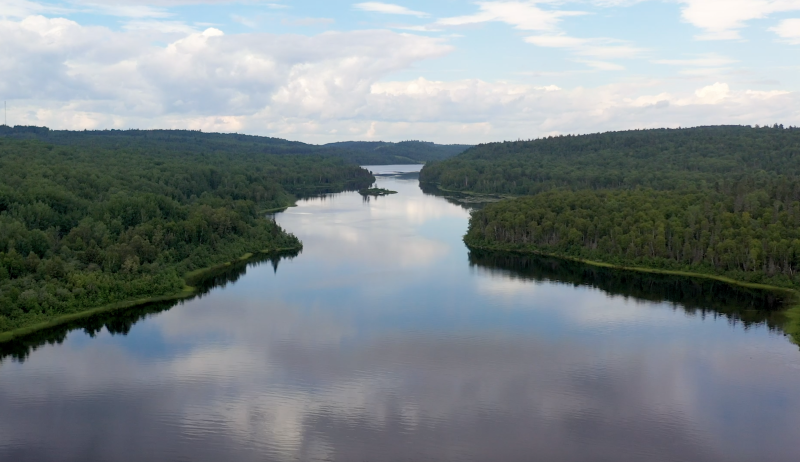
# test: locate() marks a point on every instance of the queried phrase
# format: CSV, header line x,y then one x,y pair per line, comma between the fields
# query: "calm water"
x,y
386,340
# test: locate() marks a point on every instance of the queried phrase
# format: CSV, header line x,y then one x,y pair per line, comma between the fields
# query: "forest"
x,y
660,159
712,200
154,141
85,226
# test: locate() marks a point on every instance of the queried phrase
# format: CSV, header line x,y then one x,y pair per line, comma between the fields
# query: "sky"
x,y
449,71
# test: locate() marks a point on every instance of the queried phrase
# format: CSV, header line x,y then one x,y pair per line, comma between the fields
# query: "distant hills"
x,y
360,152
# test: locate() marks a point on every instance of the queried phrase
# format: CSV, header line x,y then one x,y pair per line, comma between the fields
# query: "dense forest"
x,y
154,141
715,200
82,227
706,232
658,159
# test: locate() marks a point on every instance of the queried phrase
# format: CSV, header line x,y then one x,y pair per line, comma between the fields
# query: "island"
x,y
376,192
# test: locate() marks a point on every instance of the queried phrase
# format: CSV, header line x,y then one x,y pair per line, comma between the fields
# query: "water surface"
x,y
386,340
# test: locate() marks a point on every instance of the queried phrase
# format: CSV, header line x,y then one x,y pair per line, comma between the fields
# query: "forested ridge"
x,y
359,152
713,200
659,159
82,227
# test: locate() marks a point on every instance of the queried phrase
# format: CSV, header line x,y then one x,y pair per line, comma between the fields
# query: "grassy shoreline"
x,y
188,291
644,269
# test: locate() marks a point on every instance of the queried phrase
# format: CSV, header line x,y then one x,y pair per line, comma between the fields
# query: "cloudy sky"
x,y
451,71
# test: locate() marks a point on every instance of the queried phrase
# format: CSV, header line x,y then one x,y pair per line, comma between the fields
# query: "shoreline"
x,y
187,292
641,269
790,329
644,269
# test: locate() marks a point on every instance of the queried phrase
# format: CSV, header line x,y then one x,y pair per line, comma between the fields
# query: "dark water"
x,y
386,340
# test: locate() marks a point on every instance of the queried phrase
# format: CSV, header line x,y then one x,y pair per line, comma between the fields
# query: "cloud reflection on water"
x,y
363,348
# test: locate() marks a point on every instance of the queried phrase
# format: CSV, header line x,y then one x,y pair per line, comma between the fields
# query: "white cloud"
x,y
327,87
522,15
125,9
519,110
163,27
25,8
528,16
200,74
713,94
388,8
601,48
789,29
722,19
702,61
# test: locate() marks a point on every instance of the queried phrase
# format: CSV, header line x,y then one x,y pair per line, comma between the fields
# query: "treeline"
x,y
155,141
121,321
693,158
82,227
695,296
404,152
706,232
717,200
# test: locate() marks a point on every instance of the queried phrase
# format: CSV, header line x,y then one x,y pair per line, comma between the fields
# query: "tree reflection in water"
x,y
120,322
695,296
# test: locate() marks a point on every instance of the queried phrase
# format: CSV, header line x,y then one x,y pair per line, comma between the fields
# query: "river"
x,y
385,340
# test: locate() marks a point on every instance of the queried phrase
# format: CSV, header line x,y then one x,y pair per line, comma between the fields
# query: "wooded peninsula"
x,y
85,225
721,201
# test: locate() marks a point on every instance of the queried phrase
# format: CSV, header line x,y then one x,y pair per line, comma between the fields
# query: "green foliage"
x,y
404,152
82,227
156,141
679,230
692,158
717,200
376,192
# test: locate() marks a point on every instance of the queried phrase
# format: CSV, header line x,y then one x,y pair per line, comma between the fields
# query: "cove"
x,y
386,339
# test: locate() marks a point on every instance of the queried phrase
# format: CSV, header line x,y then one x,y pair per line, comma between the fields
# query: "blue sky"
x,y
441,70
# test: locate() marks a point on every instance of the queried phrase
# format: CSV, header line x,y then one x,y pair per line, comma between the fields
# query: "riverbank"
x,y
466,197
190,289
792,313
643,269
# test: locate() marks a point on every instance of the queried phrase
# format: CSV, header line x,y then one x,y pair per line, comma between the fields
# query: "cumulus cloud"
x,y
508,109
789,30
388,8
722,19
327,87
206,73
